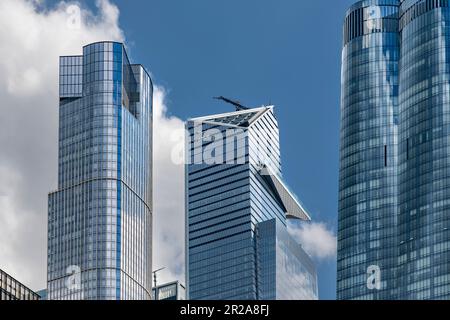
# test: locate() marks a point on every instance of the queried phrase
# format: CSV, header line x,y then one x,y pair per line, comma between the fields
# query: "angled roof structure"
x,y
292,207
242,118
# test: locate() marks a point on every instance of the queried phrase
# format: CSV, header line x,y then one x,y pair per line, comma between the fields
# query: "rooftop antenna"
x,y
154,275
238,105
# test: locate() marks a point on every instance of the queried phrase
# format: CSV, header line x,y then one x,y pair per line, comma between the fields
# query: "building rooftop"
x,y
243,118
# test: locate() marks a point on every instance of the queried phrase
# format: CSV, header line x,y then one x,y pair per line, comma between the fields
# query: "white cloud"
x,y
17,224
33,37
168,218
316,239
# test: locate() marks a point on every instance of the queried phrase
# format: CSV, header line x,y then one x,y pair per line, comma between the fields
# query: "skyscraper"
x,y
368,154
100,218
233,187
394,239
424,152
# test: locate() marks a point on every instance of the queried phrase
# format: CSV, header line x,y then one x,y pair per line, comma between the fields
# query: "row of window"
x,y
11,289
371,19
418,9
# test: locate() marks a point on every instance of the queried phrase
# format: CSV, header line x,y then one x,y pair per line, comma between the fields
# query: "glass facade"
x,y
227,197
395,111
11,289
100,218
169,291
42,294
368,154
424,189
287,272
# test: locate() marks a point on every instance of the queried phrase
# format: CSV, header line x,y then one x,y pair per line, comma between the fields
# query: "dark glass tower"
x,y
424,188
368,152
238,246
409,47
100,218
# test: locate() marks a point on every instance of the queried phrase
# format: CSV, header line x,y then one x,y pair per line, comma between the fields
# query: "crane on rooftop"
x,y
237,104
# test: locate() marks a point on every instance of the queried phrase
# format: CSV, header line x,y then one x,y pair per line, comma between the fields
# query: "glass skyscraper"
x,y
395,163
233,185
424,154
100,218
368,154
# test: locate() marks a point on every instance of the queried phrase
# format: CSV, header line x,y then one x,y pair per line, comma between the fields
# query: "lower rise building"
x,y
11,289
169,291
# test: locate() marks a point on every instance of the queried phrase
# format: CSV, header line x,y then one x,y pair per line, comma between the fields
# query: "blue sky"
x,y
256,51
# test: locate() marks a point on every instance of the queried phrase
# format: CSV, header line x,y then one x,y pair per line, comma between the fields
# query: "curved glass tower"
x,y
424,185
368,151
100,218
409,47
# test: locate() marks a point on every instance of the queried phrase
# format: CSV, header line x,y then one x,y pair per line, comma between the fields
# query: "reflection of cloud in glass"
x,y
372,13
299,278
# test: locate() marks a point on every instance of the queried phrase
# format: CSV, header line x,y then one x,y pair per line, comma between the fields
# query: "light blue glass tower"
x,y
234,186
100,218
368,151
396,97
424,154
